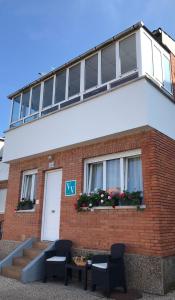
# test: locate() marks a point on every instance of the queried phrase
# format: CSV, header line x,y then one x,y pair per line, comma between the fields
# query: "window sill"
x,y
25,211
128,207
2,212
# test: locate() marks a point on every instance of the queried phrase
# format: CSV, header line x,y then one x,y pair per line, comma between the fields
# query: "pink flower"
x,y
109,197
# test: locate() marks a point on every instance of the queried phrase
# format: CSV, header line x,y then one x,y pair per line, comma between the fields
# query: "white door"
x,y
51,206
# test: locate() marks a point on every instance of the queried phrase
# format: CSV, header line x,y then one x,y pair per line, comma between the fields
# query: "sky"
x,y
39,35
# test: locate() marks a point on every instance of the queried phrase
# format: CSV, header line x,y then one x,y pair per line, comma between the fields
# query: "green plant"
x,y
25,204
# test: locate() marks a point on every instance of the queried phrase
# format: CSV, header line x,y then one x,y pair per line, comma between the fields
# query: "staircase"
x,y
20,262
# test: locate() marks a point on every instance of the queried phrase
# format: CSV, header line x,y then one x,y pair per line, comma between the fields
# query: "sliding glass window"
x,y
108,63
35,99
166,74
60,86
74,80
91,72
15,108
25,104
127,51
48,92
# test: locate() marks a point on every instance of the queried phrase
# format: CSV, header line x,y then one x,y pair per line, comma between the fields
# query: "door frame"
x,y
44,199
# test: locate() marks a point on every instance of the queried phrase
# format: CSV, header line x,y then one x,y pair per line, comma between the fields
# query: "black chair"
x,y
108,271
56,259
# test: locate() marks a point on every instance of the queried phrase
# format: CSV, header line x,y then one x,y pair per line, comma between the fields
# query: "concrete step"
x,y
12,272
31,252
40,245
21,261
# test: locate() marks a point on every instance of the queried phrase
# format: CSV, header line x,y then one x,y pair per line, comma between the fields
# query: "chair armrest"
x,y
100,258
50,253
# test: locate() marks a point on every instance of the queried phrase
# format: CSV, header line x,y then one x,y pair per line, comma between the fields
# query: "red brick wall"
x,y
3,185
150,232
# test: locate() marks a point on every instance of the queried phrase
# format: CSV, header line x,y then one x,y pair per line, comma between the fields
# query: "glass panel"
x,y
134,175
157,64
35,99
27,186
127,50
60,86
113,174
108,63
95,179
15,109
25,104
167,74
48,92
74,80
91,71
3,194
147,54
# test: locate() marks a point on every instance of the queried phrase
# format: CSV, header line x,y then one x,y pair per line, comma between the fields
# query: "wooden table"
x,y
82,273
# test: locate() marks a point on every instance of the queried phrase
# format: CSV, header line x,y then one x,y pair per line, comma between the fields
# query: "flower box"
x,y
25,205
113,199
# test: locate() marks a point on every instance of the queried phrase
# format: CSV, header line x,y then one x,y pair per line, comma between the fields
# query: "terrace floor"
x,y
12,289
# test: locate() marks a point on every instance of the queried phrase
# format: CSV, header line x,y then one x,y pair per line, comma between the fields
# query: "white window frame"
x,y
103,159
29,172
4,189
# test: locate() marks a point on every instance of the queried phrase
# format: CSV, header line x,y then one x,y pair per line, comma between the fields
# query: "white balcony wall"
x,y
4,171
130,106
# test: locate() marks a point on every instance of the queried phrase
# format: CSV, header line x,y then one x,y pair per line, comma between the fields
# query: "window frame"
x,y
42,93
3,211
24,173
122,156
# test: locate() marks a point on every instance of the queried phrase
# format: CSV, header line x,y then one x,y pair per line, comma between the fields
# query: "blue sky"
x,y
38,35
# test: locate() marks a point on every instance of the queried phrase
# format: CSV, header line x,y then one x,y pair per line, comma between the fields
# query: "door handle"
x,y
53,211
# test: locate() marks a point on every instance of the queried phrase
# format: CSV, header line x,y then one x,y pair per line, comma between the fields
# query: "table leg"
x,y
79,275
85,279
66,276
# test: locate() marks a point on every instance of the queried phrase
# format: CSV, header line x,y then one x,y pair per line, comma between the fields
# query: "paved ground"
x,y
12,289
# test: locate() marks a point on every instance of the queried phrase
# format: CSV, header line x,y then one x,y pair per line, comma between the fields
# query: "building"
x,y
102,120
4,170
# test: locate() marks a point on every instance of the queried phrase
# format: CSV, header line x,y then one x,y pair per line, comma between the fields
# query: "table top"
x,y
72,265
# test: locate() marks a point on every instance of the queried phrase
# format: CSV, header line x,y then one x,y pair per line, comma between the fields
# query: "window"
x,y
35,99
16,108
48,92
25,104
157,64
60,87
166,74
29,181
147,54
116,171
91,71
74,80
108,63
3,195
127,51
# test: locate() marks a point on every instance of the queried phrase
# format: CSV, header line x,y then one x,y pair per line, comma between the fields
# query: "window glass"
x,y
60,86
91,71
48,92
113,174
25,104
167,74
134,174
147,54
127,51
15,109
108,63
35,99
95,180
3,194
74,80
157,64
29,187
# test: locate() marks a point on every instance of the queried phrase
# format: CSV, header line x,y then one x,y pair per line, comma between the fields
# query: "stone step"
x,y
31,252
12,272
21,261
40,245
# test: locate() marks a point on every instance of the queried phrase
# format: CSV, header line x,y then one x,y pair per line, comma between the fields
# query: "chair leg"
x,y
108,293
125,288
45,279
93,287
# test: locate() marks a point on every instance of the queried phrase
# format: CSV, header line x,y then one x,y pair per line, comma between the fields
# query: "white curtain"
x,y
113,173
134,175
95,177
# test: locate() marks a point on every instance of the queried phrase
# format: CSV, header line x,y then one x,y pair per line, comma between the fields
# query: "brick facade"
x,y
148,232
